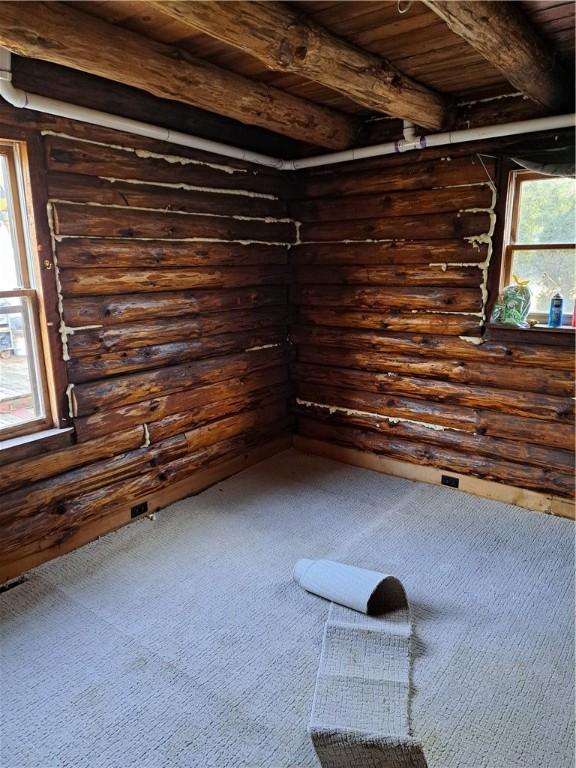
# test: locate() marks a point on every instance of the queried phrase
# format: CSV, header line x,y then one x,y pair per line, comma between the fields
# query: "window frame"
x,y
536,334
516,178
27,178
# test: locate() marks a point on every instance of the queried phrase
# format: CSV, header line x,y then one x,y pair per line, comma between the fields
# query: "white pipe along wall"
x,y
21,99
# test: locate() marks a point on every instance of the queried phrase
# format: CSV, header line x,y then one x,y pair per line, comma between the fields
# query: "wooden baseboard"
x,y
197,482
532,500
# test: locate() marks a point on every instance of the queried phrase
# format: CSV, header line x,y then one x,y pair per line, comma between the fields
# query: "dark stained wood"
x,y
61,34
100,221
285,42
156,356
520,378
135,387
86,90
436,299
390,252
428,345
528,64
476,420
532,405
83,189
402,322
436,226
184,420
411,175
118,252
121,162
420,202
198,400
114,338
526,454
487,467
391,275
41,509
93,282
59,461
132,307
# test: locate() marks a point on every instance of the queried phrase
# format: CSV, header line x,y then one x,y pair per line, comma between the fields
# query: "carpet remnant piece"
x,y
361,702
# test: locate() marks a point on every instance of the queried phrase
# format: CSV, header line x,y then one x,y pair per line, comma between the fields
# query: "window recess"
x,y
539,241
24,397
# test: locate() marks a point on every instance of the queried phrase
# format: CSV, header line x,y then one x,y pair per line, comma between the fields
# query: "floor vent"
x,y
139,509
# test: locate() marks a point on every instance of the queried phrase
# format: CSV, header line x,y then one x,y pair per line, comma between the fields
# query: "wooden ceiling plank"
x,y
287,42
504,36
63,35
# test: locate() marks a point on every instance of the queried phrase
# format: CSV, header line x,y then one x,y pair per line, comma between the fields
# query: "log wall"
x,y
172,276
389,300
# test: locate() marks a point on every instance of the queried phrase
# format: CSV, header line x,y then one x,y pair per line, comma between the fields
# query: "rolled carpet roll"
x,y
362,590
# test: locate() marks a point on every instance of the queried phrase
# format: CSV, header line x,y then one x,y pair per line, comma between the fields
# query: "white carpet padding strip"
x,y
361,702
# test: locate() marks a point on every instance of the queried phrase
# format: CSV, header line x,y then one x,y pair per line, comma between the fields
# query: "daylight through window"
x,y
540,240
23,397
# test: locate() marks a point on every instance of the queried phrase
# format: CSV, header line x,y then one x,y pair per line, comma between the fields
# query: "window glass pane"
x,y
548,271
20,395
10,273
547,211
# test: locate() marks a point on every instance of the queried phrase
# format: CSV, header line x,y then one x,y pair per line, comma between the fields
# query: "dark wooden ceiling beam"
x,y
287,42
501,33
63,35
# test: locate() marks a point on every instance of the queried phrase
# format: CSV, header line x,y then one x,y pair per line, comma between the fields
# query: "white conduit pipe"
x,y
19,98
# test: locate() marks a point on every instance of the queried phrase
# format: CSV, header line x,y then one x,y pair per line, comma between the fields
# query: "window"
x,y
539,240
24,401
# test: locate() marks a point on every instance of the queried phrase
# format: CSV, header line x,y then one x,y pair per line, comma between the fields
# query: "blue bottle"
x,y
555,316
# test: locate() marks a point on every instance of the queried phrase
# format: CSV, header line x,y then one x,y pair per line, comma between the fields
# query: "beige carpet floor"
x,y
183,641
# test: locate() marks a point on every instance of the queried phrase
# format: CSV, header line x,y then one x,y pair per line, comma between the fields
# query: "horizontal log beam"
x,y
464,442
116,253
471,420
63,35
412,203
185,421
136,387
287,42
101,221
86,189
427,345
402,322
395,275
117,338
44,504
99,159
502,34
435,226
389,252
522,378
426,174
194,400
131,307
93,282
453,459
433,298
58,462
86,90
108,364
531,405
